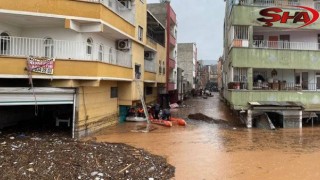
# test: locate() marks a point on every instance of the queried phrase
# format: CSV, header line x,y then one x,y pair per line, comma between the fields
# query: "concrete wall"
x,y
159,10
240,99
248,15
71,8
273,58
95,108
187,61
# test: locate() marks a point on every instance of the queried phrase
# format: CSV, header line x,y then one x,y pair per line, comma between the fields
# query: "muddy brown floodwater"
x,y
225,151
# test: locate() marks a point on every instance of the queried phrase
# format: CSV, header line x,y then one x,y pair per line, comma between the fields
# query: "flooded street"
x,y
220,151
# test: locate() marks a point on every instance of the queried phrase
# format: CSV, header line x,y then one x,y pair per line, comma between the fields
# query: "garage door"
x,y
39,96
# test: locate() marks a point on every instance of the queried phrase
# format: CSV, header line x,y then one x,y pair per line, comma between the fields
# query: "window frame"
x,y
114,92
140,33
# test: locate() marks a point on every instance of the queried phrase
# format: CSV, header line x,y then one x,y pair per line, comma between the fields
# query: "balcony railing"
x,y
276,3
149,66
117,7
60,49
286,45
280,86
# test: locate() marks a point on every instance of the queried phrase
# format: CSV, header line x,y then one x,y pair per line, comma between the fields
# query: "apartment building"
x,y
75,63
187,60
166,15
271,69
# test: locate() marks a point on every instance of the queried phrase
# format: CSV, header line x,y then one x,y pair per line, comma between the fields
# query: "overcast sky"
x,y
200,21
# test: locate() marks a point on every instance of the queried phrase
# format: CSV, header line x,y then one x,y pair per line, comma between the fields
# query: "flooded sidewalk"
x,y
225,151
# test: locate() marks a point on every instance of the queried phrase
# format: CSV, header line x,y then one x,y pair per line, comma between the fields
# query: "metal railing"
x,y
285,86
286,45
117,7
60,49
150,65
278,3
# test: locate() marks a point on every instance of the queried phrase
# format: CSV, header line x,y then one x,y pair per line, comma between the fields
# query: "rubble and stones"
x,y
202,117
39,156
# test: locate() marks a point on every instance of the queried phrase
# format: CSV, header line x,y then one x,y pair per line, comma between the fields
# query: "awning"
x,y
39,96
276,105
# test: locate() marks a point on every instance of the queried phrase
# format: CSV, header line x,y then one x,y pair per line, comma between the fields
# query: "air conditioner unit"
x,y
125,4
124,44
148,55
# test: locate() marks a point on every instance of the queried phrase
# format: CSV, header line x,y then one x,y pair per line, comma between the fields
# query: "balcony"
x,y
150,66
118,8
248,14
277,3
172,63
70,50
276,54
172,40
171,86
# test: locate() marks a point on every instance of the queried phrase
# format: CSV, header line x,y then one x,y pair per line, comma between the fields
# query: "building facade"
x,y
77,60
187,60
166,15
270,69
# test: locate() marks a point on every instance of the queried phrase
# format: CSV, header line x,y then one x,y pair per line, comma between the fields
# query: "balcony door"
x,y
5,44
285,41
273,42
318,41
305,80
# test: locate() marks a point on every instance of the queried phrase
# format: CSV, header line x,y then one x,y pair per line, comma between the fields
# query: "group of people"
x,y
154,112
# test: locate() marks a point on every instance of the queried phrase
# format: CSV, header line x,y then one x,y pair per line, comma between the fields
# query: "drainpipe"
x,y
250,33
250,78
74,114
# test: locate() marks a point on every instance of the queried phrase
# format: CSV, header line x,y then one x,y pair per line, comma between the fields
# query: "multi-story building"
x,y
76,60
166,15
187,60
271,69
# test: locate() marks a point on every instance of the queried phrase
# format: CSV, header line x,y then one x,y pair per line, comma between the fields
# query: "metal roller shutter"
x,y
39,96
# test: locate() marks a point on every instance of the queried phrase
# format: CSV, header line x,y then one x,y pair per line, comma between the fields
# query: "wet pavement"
x,y
225,151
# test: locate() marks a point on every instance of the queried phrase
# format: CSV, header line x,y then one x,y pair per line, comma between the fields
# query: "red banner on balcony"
x,y
44,66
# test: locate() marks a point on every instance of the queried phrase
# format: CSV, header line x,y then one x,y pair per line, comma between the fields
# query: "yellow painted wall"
x,y
16,66
125,94
152,98
150,76
70,8
141,19
161,56
95,108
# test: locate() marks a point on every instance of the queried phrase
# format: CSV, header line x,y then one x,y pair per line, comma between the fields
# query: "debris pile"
x,y
202,117
55,157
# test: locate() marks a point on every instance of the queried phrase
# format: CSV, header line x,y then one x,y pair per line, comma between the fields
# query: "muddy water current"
x,y
227,150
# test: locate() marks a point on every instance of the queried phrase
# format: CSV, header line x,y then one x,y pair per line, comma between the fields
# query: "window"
x,y
160,68
240,75
111,55
5,43
48,48
258,41
140,33
89,46
163,68
114,92
241,32
137,71
100,55
149,90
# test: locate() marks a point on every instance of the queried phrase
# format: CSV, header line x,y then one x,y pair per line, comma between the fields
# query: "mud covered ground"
x,y
47,156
